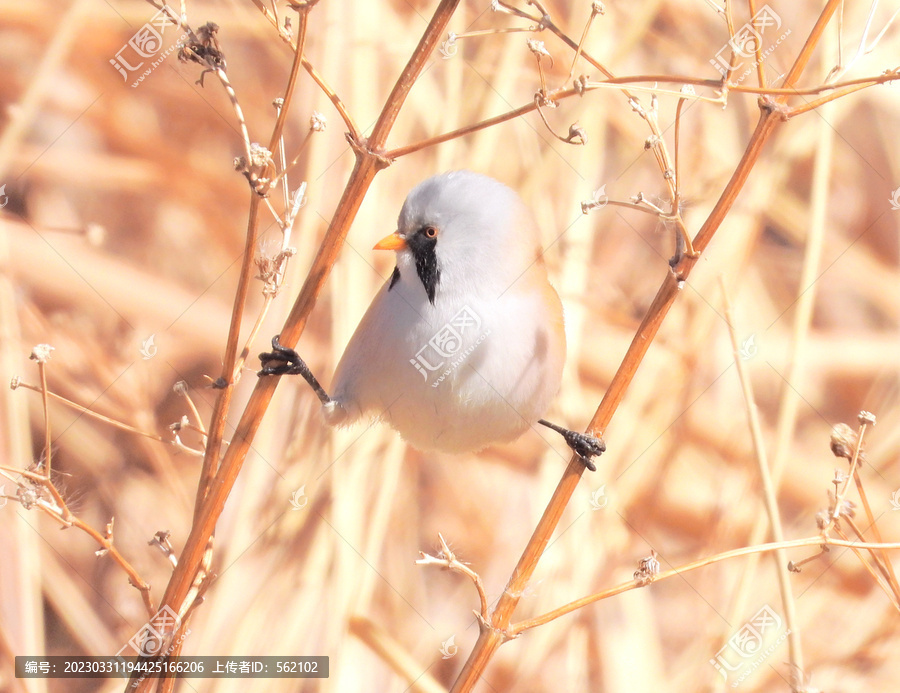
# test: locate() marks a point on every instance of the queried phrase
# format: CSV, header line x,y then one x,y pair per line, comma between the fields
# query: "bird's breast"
x,y
458,375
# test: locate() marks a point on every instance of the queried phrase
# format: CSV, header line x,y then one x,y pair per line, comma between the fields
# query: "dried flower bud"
x,y
14,383
847,509
317,122
41,353
27,496
580,84
843,441
259,155
867,418
576,131
648,568
537,47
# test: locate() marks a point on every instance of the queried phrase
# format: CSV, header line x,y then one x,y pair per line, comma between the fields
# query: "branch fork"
x,y
447,559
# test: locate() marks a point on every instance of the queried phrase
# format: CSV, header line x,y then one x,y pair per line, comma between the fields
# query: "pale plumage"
x,y
464,345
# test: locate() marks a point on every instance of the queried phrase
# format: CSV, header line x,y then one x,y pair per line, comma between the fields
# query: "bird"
x,y
463,346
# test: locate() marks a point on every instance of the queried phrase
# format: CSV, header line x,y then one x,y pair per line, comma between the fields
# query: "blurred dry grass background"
x,y
125,219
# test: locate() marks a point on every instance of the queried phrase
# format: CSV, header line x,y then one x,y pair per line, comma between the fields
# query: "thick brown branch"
x,y
368,163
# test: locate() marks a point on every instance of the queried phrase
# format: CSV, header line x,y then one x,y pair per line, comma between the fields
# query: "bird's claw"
x,y
585,446
286,361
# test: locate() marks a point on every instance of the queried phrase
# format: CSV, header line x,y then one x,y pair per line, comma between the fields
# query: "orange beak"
x,y
393,242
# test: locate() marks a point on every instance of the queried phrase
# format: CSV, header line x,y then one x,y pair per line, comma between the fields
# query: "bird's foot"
x,y
587,447
281,360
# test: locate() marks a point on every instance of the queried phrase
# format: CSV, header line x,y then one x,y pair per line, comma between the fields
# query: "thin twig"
x,y
596,8
634,81
296,158
885,559
182,389
522,626
45,405
769,493
397,657
226,382
447,559
677,146
60,512
90,412
847,518
317,78
302,15
760,65
879,580
239,113
251,338
789,398
842,493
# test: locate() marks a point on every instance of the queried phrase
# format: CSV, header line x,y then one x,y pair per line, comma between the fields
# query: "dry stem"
x,y
447,559
90,412
59,511
368,162
491,638
769,494
518,628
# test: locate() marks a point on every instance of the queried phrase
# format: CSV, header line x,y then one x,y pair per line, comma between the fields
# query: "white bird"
x,y
463,347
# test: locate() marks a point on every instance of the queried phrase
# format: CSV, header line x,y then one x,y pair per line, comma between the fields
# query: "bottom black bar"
x,y
61,667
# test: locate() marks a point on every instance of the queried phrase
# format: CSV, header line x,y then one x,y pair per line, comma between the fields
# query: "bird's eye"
x,y
430,232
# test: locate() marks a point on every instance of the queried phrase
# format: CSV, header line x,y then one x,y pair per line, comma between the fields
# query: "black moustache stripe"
x,y
424,252
395,277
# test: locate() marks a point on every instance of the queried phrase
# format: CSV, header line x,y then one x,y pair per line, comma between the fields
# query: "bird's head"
x,y
460,232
